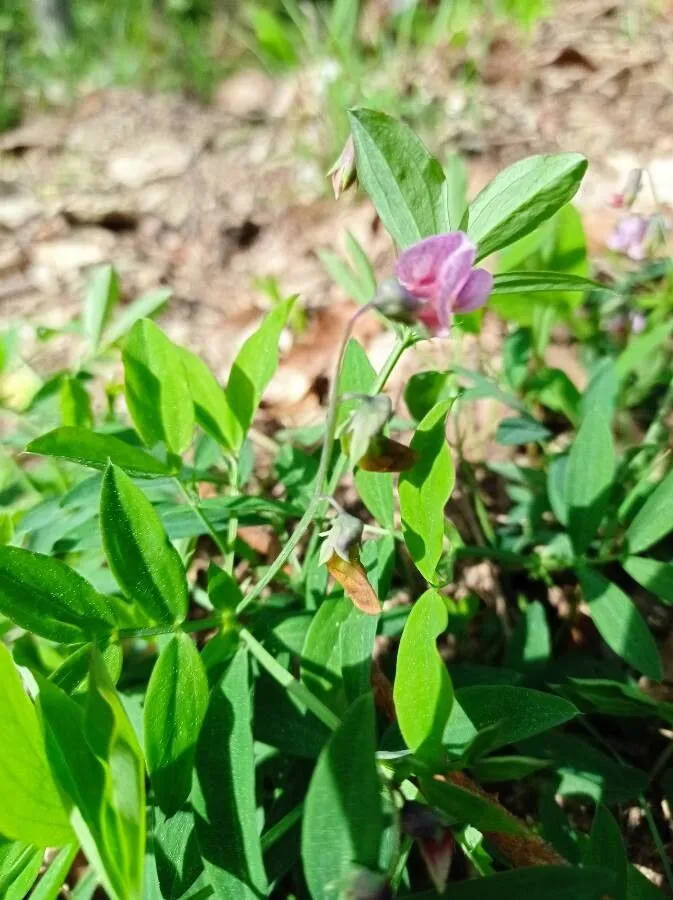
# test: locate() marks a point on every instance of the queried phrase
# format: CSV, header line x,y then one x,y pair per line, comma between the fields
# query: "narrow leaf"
x,y
142,308
654,520
253,369
224,790
157,392
425,489
102,295
653,575
606,849
404,181
96,450
522,197
343,821
620,624
591,466
145,564
539,882
63,606
464,807
423,693
542,283
175,706
31,810
211,407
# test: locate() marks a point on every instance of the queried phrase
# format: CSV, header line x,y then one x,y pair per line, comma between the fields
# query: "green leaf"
x,y
455,172
19,867
641,347
426,389
96,450
530,644
405,183
376,492
639,886
520,713
176,856
423,693
49,886
591,467
606,849
175,706
224,790
321,656
96,761
63,606
506,768
523,430
144,563
654,520
653,575
156,387
254,367
541,283
538,882
211,407
223,590
343,821
522,197
357,636
342,274
102,295
75,404
282,721
424,490
620,624
464,807
31,810
556,486
142,308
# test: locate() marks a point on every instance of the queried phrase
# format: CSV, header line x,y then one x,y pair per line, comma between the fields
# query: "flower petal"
x,y
455,273
419,269
475,291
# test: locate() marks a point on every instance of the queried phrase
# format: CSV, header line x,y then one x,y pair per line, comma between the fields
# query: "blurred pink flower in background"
x,y
438,273
629,237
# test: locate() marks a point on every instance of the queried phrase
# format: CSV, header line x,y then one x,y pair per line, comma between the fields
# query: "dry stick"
x,y
520,850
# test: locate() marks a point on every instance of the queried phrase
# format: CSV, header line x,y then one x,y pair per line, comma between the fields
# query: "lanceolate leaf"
x,y
96,450
343,821
464,807
423,693
224,791
210,403
175,706
97,764
46,596
606,849
145,564
31,809
654,520
541,283
102,294
405,183
653,575
620,624
539,882
157,392
591,466
522,197
425,489
253,369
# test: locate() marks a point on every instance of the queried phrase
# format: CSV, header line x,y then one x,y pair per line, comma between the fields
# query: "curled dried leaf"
x,y
353,579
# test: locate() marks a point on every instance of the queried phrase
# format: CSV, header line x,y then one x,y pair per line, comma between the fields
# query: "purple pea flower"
x,y
439,277
630,237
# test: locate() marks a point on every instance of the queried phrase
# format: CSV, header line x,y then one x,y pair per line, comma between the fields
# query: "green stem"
x,y
194,506
232,525
276,832
289,682
656,837
317,505
155,630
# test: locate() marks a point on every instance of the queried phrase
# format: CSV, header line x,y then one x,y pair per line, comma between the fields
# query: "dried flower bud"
x,y
345,533
365,424
353,579
343,172
435,841
386,455
396,302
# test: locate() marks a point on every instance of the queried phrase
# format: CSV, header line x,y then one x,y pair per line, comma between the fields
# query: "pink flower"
x,y
438,273
629,237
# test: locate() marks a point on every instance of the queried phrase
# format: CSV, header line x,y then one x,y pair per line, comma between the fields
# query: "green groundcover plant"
x,y
201,719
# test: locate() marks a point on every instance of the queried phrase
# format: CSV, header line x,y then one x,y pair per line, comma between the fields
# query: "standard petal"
x,y
475,291
455,274
420,267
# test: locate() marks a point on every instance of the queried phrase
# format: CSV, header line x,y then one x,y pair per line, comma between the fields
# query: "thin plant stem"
x,y
317,506
155,630
656,837
194,506
291,684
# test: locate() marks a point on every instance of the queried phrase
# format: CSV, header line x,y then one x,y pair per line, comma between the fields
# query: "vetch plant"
x,y
202,718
